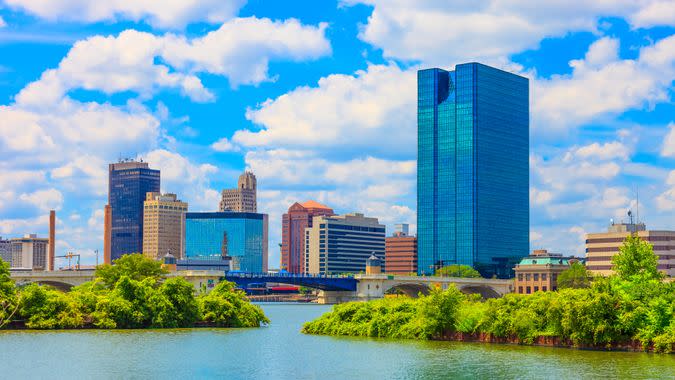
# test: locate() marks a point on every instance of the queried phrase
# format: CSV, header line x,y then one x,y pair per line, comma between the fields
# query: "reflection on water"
x,y
279,351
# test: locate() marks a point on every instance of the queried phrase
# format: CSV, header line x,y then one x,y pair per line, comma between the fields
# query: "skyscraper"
x,y
243,198
293,224
128,183
472,169
163,224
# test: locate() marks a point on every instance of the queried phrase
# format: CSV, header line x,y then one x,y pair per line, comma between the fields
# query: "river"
x,y
280,351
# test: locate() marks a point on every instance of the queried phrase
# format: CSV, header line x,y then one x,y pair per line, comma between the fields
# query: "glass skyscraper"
x,y
128,184
241,236
472,169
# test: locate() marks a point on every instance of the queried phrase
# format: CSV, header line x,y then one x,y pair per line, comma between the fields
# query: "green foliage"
x,y
136,266
634,306
575,277
228,307
8,304
464,271
636,258
131,295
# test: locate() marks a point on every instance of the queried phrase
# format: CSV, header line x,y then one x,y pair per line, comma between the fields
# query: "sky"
x,y
318,99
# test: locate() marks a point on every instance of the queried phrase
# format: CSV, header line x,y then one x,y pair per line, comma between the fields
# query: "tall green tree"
x,y
136,267
8,305
464,271
575,277
636,258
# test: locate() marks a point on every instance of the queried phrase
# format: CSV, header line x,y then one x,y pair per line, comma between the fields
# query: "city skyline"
x,y
601,112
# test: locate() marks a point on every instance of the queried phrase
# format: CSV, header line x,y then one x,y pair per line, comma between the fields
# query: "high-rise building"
x,y
472,169
400,256
294,222
30,252
601,247
163,224
241,236
243,198
342,243
6,251
128,184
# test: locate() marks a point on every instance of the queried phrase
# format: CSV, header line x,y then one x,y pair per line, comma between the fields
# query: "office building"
x,y
342,243
400,256
128,183
294,222
600,247
472,169
163,219
29,252
219,236
243,198
107,234
539,271
6,251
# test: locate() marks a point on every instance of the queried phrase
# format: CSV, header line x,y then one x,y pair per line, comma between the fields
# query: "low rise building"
x,y
29,252
400,255
601,247
163,220
539,271
342,243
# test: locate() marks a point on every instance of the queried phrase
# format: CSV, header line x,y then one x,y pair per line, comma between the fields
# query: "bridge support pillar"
x,y
332,297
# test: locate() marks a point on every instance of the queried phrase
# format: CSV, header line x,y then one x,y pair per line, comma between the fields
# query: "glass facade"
x,y
128,184
472,169
244,235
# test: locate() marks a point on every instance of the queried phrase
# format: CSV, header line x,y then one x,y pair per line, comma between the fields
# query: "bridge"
x,y
332,288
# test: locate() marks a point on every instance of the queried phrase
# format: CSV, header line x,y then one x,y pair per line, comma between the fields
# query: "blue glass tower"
x,y
241,236
128,183
472,169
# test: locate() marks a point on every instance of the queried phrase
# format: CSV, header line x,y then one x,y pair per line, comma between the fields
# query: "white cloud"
x,y
224,145
492,30
2,22
601,84
145,63
373,108
45,200
165,14
606,151
666,200
669,142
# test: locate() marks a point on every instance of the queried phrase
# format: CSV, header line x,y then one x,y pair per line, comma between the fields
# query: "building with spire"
x,y
243,198
293,224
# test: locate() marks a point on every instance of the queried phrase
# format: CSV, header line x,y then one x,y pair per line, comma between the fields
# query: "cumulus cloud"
x,y
224,145
164,14
491,30
145,63
666,200
373,108
601,84
45,200
668,148
2,22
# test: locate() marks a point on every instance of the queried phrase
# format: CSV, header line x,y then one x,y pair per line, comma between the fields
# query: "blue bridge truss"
x,y
329,282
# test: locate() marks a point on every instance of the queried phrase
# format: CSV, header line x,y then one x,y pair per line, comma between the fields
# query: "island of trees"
x,y
633,309
131,294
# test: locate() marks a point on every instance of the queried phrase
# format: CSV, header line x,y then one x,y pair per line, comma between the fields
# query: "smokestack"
x,y
107,234
52,240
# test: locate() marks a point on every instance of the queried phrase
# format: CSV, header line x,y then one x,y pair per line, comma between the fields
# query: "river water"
x,y
280,351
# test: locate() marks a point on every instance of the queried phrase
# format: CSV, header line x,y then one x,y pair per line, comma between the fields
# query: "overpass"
x,y
332,288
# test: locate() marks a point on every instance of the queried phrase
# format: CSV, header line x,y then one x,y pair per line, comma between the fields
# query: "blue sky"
x,y
318,99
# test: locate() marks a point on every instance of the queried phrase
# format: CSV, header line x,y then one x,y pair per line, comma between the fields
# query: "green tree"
x,y
136,267
464,271
636,258
226,306
8,305
575,277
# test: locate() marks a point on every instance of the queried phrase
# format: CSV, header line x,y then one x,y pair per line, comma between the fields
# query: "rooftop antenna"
x,y
630,216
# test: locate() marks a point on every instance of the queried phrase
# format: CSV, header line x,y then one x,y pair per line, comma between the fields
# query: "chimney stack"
x,y
52,240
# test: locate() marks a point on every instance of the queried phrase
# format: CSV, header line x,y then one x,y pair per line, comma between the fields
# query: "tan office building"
x,y
163,225
539,271
600,247
243,198
29,252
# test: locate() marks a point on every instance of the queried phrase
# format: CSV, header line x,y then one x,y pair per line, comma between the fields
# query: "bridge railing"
x,y
285,275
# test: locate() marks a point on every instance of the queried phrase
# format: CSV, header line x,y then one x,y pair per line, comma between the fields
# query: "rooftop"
x,y
314,204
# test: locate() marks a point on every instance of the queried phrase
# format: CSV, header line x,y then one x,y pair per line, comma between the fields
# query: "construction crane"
x,y
70,256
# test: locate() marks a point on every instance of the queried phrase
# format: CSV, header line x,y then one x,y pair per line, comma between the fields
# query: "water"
x,y
280,351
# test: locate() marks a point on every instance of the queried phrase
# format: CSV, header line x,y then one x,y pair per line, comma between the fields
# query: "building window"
x,y
527,277
543,277
554,288
543,288
520,290
528,290
520,277
536,277
536,288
